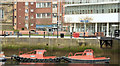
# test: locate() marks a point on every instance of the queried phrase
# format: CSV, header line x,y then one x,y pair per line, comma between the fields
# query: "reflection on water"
x,y
14,63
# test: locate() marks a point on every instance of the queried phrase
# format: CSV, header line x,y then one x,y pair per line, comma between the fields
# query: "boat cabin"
x,y
87,54
33,54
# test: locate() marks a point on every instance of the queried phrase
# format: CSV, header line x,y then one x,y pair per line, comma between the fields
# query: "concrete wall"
x,y
53,42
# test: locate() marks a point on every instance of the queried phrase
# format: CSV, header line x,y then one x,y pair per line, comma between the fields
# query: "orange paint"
x,y
86,55
36,54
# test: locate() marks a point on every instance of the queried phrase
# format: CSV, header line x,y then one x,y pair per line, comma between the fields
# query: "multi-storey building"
x,y
93,15
42,15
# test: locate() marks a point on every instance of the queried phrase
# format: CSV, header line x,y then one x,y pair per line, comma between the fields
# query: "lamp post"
x,y
57,29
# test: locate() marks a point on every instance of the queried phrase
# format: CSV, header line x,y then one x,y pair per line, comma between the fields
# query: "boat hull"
x,y
3,59
85,61
21,59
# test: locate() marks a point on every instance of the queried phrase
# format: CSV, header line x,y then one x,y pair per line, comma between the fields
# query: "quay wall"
x,y
50,42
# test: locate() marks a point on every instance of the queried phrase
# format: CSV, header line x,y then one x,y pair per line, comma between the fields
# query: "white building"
x,y
102,15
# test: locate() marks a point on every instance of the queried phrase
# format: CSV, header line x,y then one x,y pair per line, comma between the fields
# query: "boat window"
x,y
84,53
78,54
34,52
88,54
39,52
87,50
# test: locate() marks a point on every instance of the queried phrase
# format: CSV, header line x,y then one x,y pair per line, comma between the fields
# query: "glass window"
x,y
102,10
54,15
48,14
88,54
15,2
43,15
118,10
38,15
26,10
111,10
32,17
1,13
26,3
32,3
49,4
26,17
54,5
114,10
32,10
39,52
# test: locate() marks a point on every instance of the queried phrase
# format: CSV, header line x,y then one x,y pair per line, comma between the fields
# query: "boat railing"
x,y
70,54
79,53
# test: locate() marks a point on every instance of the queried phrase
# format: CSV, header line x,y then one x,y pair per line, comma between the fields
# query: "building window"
x,y
31,25
32,10
111,10
102,10
92,9
43,5
43,15
48,15
118,10
14,16
32,17
26,3
97,11
114,10
1,13
15,2
32,3
54,15
26,17
108,10
38,15
49,4
54,5
26,10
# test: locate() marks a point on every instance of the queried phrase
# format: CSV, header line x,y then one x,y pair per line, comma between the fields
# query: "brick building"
x,y
38,15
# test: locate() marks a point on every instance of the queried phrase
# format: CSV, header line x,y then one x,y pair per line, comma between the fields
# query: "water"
x,y
14,63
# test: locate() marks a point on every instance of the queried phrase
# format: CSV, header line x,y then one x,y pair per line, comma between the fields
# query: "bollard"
x,y
4,33
71,35
84,35
17,34
29,34
44,34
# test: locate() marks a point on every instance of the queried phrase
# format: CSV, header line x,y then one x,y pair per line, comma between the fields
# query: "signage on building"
x,y
84,21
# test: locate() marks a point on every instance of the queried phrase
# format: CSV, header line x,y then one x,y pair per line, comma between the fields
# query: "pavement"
x,y
65,37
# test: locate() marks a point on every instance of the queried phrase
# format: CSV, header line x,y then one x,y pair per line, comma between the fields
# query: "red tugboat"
x,y
85,57
35,56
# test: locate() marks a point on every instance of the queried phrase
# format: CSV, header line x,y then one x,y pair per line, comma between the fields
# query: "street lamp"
x,y
57,29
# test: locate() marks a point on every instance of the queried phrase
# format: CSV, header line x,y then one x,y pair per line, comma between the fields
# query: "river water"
x,y
14,63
